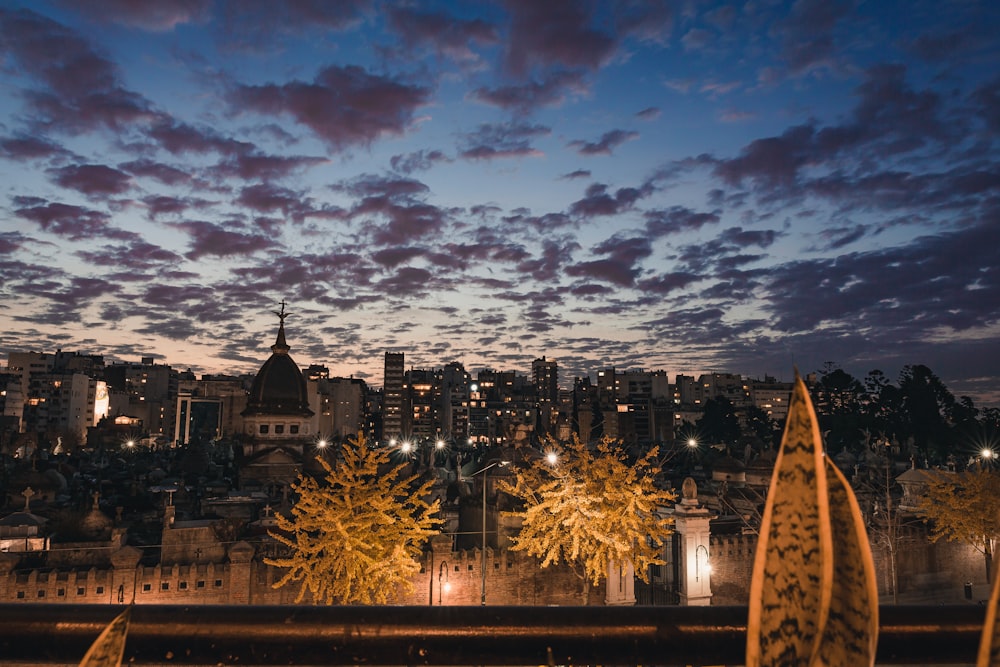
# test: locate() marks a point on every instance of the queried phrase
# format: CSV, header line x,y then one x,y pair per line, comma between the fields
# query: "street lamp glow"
x,y
439,444
406,447
552,458
321,444
987,453
692,443
130,443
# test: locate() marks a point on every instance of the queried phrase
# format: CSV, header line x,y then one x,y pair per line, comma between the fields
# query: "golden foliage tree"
x,y
964,507
355,536
590,509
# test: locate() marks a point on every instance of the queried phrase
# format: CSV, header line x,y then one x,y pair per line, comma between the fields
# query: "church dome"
x,y
279,387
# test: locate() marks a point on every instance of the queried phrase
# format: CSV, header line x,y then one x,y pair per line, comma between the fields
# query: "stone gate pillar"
x,y
694,560
620,589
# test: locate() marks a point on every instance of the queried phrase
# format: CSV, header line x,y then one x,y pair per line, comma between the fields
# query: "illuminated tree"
x,y
964,507
590,509
355,537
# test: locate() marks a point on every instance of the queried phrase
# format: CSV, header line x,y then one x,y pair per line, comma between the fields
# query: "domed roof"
x,y
96,525
279,387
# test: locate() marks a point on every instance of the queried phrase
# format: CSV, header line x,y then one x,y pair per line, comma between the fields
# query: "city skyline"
x,y
690,187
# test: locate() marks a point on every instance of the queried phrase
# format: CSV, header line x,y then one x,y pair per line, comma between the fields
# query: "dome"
x,y
96,525
279,387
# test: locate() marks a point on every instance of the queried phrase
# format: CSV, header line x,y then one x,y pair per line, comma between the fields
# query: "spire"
x,y
280,346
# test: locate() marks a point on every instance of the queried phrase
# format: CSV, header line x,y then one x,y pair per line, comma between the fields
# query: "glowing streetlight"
x,y
692,443
439,444
987,453
321,443
552,458
406,447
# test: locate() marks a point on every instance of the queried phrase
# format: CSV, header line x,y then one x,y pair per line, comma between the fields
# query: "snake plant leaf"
x,y
813,597
109,647
851,631
989,646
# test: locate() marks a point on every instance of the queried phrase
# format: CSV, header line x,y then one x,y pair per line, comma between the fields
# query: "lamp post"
x,y
483,555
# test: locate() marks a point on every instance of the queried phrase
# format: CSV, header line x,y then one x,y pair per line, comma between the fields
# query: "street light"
x,y
483,556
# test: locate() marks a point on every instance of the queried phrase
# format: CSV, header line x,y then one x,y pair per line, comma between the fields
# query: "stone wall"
x,y
511,579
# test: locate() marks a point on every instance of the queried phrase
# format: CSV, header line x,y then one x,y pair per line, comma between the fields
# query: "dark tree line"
x,y
917,416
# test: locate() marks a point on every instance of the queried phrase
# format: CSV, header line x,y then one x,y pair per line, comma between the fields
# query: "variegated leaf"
x,y
989,645
109,647
793,567
851,631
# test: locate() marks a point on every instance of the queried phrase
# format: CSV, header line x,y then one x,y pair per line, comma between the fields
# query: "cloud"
x,y
81,90
30,148
265,197
578,173
524,98
624,253
73,222
547,34
258,166
677,219
649,113
134,257
446,35
210,240
647,20
597,201
179,138
159,16
421,160
605,145
254,25
549,264
395,201
93,180
502,140
343,106
935,281
807,33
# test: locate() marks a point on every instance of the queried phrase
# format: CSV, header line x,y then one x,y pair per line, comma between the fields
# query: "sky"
x,y
681,186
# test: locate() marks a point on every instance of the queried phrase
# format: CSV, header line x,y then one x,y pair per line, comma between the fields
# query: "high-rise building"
x,y
392,399
545,378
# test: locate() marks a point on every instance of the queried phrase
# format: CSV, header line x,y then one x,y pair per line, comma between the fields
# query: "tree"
x,y
355,537
963,507
591,509
719,423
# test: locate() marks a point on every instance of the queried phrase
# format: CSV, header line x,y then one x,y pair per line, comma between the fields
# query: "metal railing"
x,y
59,634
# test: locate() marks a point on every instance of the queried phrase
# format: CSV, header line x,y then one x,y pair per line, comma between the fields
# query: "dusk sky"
x,y
679,186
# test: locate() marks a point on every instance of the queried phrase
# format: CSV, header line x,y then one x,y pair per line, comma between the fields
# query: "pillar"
x,y
620,589
692,529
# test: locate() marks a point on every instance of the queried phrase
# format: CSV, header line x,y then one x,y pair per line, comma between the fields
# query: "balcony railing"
x,y
46,634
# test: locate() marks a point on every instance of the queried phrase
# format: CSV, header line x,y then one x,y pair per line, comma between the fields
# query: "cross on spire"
x,y
282,314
